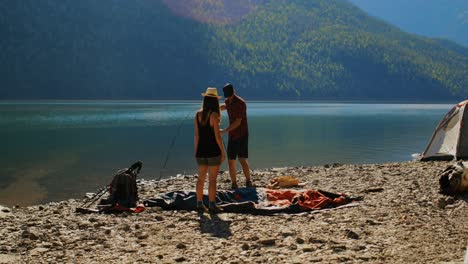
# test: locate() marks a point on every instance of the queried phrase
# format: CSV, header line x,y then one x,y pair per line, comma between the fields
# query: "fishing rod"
x,y
95,197
171,146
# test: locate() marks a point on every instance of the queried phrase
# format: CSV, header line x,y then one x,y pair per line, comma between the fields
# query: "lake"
x,y
57,150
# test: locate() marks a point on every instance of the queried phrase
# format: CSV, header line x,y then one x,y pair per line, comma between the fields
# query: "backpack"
x,y
454,179
123,189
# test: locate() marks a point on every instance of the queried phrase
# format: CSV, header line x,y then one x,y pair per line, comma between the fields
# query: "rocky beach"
x,y
402,219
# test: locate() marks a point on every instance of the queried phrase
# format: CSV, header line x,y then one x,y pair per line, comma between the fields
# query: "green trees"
x,y
330,49
271,49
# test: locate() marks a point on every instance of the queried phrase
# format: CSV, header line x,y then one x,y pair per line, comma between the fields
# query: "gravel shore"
x,y
402,219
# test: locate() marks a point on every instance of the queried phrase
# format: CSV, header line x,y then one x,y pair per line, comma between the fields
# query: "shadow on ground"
x,y
214,225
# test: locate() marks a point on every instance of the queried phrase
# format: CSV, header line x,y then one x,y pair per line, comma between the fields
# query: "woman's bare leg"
x,y
202,170
213,174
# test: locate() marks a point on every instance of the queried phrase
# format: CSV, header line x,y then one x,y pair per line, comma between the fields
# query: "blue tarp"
x,y
255,200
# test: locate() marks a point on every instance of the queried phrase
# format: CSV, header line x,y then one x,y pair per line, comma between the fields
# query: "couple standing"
x,y
209,147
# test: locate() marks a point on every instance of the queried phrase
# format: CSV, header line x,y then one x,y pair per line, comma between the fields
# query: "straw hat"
x,y
211,92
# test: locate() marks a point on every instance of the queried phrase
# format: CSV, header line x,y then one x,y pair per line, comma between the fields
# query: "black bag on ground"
x,y
123,188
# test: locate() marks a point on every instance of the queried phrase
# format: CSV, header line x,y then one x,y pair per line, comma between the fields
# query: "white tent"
x,y
450,138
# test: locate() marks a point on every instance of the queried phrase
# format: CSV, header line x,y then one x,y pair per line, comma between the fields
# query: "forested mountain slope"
x,y
269,49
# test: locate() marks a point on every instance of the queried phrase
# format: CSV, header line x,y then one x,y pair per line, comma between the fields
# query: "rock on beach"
x,y
402,219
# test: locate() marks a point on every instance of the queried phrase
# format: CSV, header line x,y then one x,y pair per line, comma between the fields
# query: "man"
x,y
238,134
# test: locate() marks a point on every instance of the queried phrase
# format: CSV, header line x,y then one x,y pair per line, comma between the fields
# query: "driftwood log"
x,y
454,179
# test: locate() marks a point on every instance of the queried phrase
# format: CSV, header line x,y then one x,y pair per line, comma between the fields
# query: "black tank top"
x,y
207,146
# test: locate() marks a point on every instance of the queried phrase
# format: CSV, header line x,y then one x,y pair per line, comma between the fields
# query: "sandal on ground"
x,y
215,210
202,209
248,184
234,186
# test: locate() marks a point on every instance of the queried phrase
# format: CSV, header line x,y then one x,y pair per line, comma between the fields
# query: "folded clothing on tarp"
x,y
255,200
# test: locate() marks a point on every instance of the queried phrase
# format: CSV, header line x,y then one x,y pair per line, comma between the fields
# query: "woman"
x,y
209,148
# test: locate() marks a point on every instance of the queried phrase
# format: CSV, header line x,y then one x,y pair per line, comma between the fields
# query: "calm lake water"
x,y
57,150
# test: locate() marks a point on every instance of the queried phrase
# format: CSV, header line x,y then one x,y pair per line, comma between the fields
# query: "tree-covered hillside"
x,y
107,49
330,49
269,49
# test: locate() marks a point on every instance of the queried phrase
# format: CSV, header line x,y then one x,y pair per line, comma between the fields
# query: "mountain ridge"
x,y
296,50
431,18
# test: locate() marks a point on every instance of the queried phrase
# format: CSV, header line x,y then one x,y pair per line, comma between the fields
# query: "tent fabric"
x,y
255,200
450,138
462,149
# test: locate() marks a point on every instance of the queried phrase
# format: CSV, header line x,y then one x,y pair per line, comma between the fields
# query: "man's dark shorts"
x,y
238,148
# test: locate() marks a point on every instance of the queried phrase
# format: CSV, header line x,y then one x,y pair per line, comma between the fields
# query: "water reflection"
x,y
65,149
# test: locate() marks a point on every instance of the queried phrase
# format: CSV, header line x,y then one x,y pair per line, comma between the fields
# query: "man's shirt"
x,y
237,108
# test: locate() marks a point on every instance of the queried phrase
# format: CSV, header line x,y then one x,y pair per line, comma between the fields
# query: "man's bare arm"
x,y
232,126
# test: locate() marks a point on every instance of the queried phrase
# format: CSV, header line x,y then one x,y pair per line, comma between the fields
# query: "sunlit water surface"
x,y
57,150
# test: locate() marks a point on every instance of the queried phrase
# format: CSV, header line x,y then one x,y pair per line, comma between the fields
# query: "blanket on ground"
x,y
256,200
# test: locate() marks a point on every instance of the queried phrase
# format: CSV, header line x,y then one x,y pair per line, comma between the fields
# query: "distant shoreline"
x,y
58,101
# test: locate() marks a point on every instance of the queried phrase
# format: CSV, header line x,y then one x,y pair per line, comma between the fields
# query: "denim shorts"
x,y
212,161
